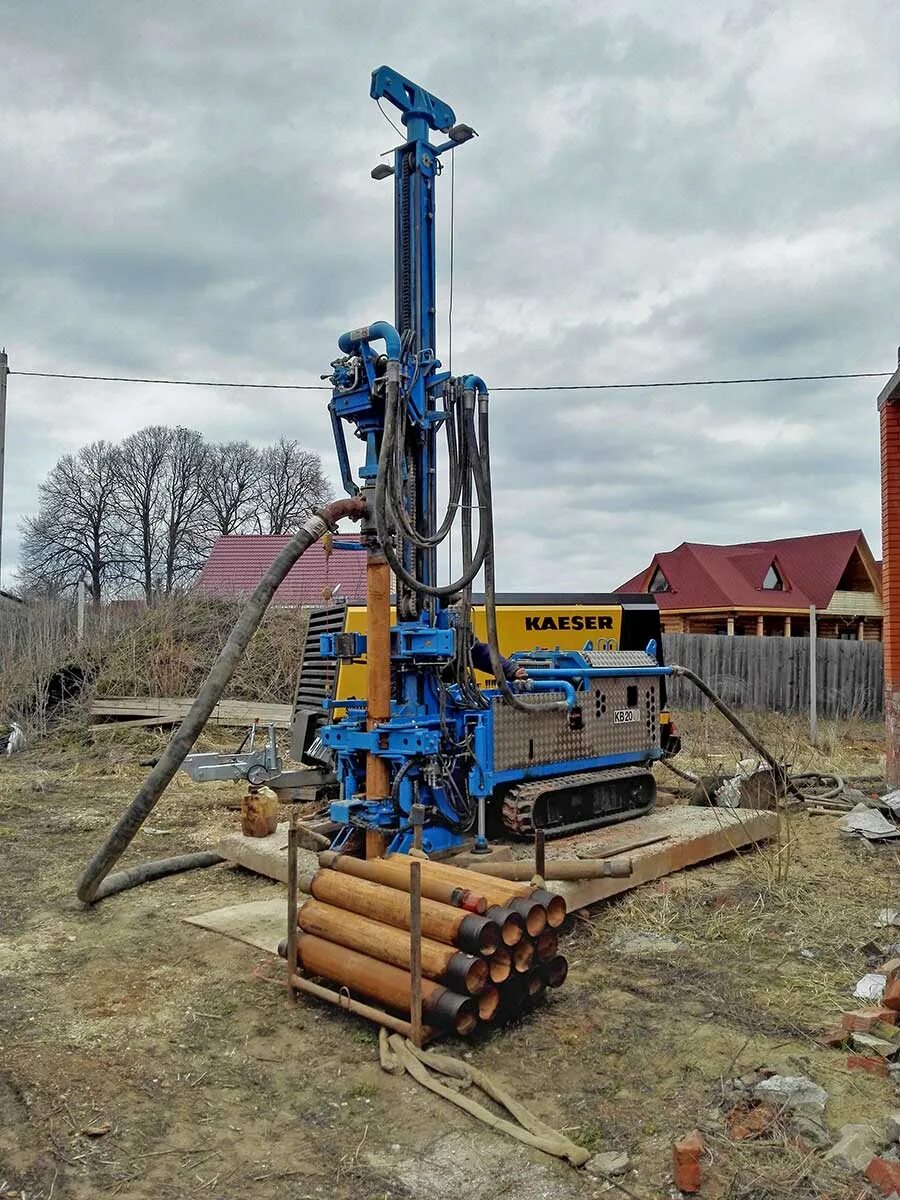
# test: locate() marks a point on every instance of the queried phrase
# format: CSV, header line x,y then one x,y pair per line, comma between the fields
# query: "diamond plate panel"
x,y
543,735
619,658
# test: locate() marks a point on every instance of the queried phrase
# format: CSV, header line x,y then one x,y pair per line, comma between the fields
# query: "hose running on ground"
x,y
96,883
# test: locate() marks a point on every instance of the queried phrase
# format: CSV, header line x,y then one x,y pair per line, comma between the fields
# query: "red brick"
x,y
832,1039
862,1019
686,1154
749,1122
884,1174
892,995
860,1062
891,968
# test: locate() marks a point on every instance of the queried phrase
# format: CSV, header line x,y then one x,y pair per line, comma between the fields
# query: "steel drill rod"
x,y
339,1000
523,955
415,952
396,874
531,903
559,869
292,905
389,985
512,924
555,971
488,1003
475,934
514,896
445,964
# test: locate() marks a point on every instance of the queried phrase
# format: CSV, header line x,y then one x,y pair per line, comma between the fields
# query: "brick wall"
x,y
890,530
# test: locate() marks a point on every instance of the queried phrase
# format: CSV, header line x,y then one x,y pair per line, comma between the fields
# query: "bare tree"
x,y
76,534
232,486
291,484
142,464
185,514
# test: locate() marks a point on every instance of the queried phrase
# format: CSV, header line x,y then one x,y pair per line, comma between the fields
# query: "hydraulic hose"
x,y
731,715
96,882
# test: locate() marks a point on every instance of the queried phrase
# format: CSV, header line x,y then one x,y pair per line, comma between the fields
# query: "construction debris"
x,y
686,1155
871,986
607,1163
795,1093
868,823
854,1149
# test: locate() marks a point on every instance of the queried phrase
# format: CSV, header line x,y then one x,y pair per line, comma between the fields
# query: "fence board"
x,y
772,673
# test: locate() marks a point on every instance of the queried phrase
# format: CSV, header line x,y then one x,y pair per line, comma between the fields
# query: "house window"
x,y
658,582
773,581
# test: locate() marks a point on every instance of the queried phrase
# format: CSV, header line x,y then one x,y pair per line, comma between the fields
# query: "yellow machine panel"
x,y
519,627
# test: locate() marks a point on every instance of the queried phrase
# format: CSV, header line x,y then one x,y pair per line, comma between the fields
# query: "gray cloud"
x,y
658,191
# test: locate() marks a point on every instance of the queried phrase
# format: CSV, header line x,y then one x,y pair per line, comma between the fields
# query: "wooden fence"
x,y
772,673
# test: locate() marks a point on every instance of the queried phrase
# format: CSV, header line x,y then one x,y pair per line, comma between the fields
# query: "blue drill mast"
x,y
570,751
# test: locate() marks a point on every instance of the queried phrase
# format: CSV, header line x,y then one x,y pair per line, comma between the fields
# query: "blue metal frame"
x,y
436,747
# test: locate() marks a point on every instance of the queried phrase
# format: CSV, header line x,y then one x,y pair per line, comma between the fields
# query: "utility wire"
x,y
534,387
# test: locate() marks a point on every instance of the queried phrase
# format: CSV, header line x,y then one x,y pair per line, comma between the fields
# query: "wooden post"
x,y
787,626
861,630
813,702
760,626
730,626
293,838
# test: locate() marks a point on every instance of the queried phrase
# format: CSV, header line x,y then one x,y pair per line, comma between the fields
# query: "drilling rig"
x,y
567,748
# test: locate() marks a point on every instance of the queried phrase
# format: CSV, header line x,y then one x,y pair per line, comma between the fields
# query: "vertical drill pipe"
x,y
396,874
415,951
540,864
378,664
293,835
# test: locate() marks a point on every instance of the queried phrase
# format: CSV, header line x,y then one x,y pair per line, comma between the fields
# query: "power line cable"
x,y
534,387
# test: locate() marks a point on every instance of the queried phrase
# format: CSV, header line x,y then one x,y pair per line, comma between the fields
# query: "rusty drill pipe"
x,y
396,875
546,945
555,971
523,956
456,970
513,999
557,869
467,931
535,986
389,985
500,965
488,1003
517,896
512,927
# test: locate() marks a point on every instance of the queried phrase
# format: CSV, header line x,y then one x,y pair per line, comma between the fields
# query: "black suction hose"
x,y
730,715
96,883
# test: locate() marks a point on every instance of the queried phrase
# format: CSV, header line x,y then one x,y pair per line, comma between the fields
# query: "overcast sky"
x,y
660,190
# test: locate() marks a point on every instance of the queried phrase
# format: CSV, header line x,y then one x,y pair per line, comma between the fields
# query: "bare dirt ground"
x,y
141,1057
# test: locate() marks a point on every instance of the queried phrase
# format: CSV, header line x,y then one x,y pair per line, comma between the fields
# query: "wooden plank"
x,y
696,835
175,708
693,835
260,923
266,855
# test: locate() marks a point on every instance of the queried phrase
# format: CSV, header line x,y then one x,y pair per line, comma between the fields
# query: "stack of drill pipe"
x,y
475,945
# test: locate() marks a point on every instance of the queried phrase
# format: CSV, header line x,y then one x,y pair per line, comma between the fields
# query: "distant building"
x,y
237,563
767,588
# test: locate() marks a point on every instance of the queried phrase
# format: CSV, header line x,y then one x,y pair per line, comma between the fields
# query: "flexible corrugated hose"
x,y
96,882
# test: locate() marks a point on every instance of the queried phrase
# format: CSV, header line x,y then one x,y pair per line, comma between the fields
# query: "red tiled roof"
x,y
237,563
705,576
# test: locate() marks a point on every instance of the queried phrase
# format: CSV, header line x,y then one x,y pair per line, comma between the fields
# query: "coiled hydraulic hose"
x,y
96,883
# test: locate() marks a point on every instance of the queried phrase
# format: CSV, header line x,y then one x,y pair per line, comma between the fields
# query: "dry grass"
x,y
163,651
